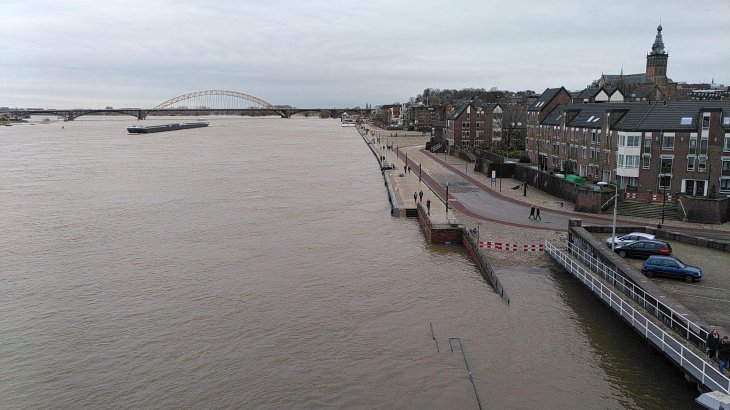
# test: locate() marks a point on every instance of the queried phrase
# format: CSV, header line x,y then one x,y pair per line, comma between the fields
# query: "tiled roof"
x,y
640,92
641,116
459,111
544,99
589,93
612,79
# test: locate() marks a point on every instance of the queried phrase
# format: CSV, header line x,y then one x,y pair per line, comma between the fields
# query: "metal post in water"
x,y
479,402
434,338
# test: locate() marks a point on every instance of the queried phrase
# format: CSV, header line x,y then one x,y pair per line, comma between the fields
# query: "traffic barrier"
x,y
512,247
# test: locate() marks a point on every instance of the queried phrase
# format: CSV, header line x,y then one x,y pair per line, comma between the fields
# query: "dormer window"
x,y
686,121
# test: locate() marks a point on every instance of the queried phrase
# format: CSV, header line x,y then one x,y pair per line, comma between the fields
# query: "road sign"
x,y
494,176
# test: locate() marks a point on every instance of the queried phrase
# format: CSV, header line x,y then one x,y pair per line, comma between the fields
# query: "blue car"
x,y
671,267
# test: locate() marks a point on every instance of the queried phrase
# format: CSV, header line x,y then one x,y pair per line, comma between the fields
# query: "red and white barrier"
x,y
654,197
512,247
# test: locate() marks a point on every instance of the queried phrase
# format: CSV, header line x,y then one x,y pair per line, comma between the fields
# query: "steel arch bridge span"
x,y
213,99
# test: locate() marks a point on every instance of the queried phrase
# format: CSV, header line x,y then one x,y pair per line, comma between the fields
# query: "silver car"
x,y
628,238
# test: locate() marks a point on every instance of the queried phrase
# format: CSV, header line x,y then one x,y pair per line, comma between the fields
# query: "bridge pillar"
x,y
285,113
71,115
140,115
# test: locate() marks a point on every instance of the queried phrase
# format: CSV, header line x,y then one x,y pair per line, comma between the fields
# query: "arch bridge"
x,y
198,103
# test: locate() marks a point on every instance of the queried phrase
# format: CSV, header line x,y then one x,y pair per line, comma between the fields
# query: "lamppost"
x,y
447,199
615,205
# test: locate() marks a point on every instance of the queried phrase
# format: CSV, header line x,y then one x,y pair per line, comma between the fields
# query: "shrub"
x,y
524,159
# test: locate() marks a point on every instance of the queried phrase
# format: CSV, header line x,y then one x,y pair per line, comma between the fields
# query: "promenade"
x,y
502,216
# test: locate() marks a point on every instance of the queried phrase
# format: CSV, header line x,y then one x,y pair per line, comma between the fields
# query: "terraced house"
x,y
658,146
472,126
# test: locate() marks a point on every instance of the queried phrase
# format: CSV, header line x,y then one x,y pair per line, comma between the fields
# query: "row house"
x,y
472,126
676,147
424,116
598,95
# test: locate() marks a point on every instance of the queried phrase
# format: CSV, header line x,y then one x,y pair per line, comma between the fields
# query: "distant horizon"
x,y
310,54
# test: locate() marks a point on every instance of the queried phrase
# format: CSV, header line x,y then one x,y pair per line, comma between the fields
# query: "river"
x,y
255,264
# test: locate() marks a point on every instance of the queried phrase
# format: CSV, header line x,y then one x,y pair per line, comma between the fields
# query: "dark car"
x,y
671,267
644,248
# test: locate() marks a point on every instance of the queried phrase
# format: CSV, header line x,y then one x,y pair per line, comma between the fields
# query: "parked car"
x,y
628,238
644,248
671,267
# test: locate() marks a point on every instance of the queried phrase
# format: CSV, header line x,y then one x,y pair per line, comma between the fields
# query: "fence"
x,y
653,197
694,365
687,329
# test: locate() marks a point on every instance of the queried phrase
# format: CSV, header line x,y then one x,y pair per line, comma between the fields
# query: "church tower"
x,y
656,61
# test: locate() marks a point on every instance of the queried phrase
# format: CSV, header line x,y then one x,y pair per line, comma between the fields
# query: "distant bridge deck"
x,y
141,113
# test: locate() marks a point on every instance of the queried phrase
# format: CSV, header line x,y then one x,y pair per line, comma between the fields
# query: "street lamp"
x,y
447,199
615,205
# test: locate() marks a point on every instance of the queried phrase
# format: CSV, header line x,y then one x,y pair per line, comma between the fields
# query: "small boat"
x,y
348,122
139,129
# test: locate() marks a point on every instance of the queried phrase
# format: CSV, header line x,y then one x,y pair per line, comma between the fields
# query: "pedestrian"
x,y
409,169
537,213
723,353
713,341
532,212
405,169
415,197
420,196
428,206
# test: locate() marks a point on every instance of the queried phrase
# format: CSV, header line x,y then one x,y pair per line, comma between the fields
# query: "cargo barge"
x,y
139,129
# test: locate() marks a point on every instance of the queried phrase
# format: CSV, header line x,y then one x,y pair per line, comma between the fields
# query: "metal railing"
x,y
696,366
685,328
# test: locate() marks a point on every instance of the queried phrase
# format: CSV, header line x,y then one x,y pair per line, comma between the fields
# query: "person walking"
x,y
537,213
409,169
428,206
713,342
420,196
415,197
532,212
723,353
405,169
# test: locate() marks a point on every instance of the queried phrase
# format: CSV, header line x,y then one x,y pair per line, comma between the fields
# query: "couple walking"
x,y
535,213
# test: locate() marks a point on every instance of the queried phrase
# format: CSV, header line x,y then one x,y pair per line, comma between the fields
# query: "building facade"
x,y
472,126
673,147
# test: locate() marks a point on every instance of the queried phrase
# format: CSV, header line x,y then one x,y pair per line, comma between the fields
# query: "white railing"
x,y
689,330
690,362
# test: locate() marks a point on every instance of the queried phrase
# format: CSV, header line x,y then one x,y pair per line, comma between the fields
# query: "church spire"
x,y
658,47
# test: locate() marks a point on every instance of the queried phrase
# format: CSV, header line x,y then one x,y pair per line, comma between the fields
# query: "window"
x,y
725,185
465,124
620,161
465,143
726,144
702,164
632,161
692,146
726,121
645,162
666,166
706,122
691,163
593,153
703,146
686,121
468,115
633,140
647,145
665,182
480,124
668,142
465,134
621,140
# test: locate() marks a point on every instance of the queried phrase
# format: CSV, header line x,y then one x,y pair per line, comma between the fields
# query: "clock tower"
x,y
656,61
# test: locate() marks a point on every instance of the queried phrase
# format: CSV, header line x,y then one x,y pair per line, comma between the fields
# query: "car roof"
x,y
638,233
662,257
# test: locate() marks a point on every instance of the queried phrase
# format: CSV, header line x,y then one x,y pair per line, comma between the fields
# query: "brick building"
x,y
423,117
678,146
472,126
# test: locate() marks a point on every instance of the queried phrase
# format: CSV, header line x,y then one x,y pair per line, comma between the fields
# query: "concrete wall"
x,y
706,210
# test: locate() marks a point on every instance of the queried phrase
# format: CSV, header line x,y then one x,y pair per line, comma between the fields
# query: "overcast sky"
x,y
73,54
